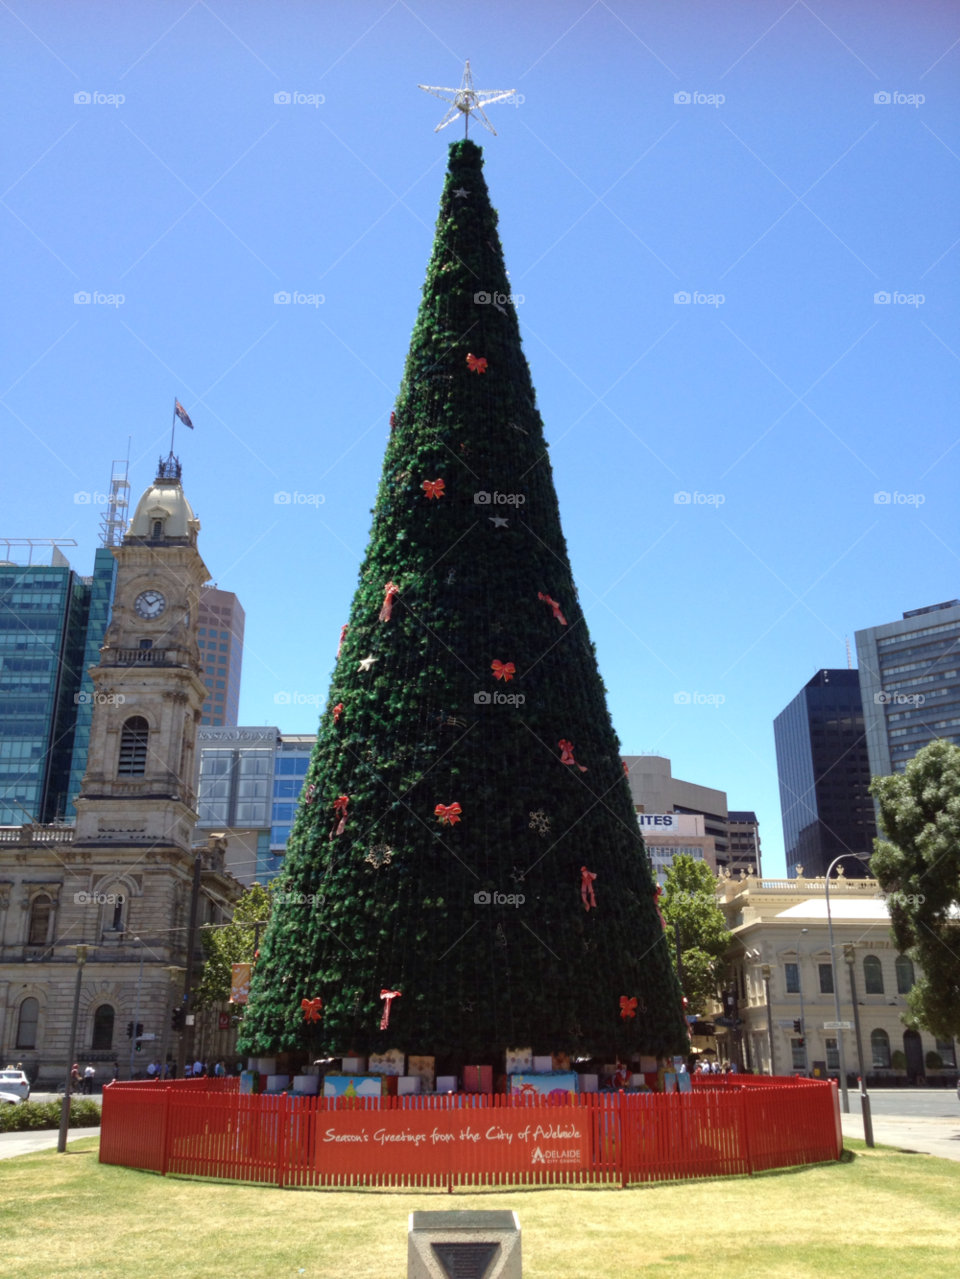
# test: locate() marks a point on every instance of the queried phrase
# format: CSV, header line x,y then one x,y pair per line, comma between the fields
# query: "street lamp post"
x,y
850,956
836,984
803,1029
765,973
65,1108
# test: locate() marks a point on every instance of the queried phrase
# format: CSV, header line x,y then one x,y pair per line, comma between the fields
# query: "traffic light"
x,y
176,1019
803,1042
798,1026
139,1029
129,1029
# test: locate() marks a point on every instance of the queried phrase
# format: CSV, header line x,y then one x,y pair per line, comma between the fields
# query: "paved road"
x,y
913,1103
24,1143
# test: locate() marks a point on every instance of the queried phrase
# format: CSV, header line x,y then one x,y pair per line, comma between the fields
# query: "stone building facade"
x,y
119,881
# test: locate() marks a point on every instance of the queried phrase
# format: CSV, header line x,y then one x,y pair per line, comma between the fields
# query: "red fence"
x,y
467,1139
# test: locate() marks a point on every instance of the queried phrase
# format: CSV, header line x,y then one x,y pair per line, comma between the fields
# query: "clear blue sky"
x,y
796,399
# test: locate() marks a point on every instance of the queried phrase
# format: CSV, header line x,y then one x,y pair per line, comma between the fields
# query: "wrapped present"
x,y
446,1083
278,1083
409,1086
306,1085
388,1063
249,1082
354,1066
352,1085
519,1061
542,1065
560,1061
588,1083
554,1083
478,1079
425,1068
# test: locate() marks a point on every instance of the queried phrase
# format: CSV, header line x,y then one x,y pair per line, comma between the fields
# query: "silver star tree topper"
x,y
466,100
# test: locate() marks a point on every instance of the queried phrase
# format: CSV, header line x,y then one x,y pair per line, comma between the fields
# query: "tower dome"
x,y
163,510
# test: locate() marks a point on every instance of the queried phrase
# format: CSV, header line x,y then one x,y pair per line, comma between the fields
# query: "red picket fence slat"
x,y
728,1125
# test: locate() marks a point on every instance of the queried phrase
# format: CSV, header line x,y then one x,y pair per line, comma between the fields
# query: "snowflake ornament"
x,y
379,855
540,822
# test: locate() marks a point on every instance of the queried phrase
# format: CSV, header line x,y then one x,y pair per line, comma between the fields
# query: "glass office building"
x,y
910,678
101,588
43,618
220,638
824,772
248,786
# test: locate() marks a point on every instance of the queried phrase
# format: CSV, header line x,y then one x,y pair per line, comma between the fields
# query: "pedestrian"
x,y
152,1070
220,1070
116,1071
89,1075
75,1078
198,1069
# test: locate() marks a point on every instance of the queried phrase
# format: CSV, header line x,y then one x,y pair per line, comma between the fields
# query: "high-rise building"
x,y
101,587
43,615
824,773
910,680
221,651
743,843
248,782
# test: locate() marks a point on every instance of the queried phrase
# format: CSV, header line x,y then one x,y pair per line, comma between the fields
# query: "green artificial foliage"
x,y
232,943
399,900
690,903
31,1116
918,866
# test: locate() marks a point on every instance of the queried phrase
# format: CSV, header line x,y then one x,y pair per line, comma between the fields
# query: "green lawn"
x,y
878,1214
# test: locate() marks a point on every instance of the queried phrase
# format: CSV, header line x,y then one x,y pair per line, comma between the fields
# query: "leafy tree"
x,y
918,866
466,756
231,943
690,901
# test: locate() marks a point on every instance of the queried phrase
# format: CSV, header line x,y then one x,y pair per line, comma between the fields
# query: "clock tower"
x,y
148,690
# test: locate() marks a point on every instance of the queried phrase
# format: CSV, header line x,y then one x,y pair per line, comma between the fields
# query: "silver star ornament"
x,y
466,101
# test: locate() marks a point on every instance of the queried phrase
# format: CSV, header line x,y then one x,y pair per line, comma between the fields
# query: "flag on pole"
x,y
182,414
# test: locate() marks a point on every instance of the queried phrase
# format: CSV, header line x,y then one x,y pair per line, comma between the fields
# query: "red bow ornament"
x,y
389,996
503,671
391,591
554,605
586,888
448,814
393,420
476,363
340,806
343,632
433,488
628,1008
566,754
337,712
308,794
311,1009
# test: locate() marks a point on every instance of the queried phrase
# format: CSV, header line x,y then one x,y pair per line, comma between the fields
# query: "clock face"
x,y
149,604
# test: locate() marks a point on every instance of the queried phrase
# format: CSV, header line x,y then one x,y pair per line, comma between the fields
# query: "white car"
x,y
10,1099
15,1081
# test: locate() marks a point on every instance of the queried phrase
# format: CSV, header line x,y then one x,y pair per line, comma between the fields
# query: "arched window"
x,y
880,1047
905,978
40,909
103,1027
133,747
117,922
158,528
27,1023
872,975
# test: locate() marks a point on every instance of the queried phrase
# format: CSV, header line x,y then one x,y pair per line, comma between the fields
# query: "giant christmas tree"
x,y
466,754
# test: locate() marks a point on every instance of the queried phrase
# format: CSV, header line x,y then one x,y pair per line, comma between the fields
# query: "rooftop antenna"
x,y
849,658
118,502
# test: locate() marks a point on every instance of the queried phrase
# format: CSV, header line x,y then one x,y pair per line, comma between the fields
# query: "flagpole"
x,y
173,425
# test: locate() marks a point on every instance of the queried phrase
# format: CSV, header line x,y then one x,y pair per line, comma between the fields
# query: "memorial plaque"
x,y
465,1260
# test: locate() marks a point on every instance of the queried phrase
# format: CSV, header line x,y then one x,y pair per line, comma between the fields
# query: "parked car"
x,y
15,1081
10,1099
